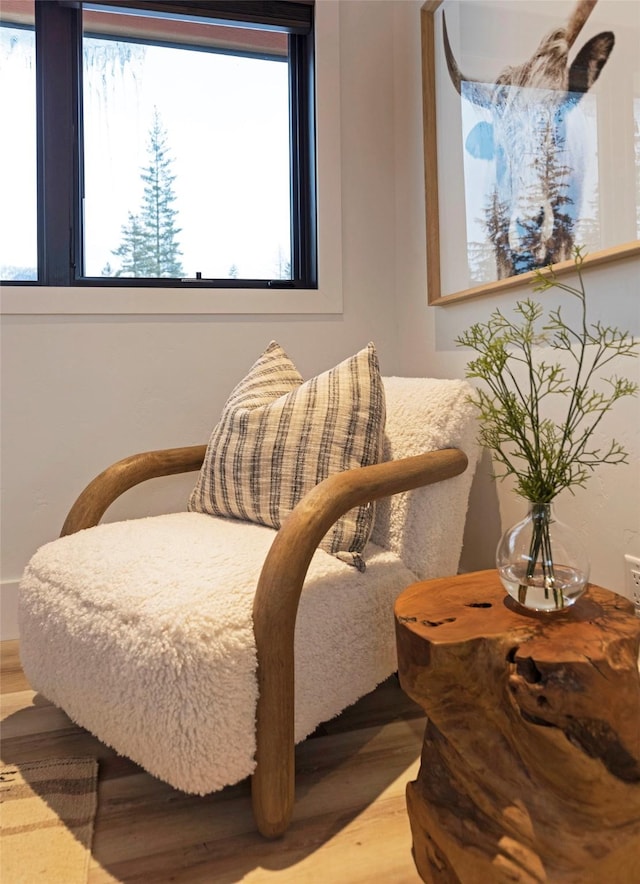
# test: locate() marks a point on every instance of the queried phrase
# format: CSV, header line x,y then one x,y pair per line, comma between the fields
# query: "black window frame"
x,y
58,35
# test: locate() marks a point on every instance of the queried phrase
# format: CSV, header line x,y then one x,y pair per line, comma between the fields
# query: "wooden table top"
x,y
469,606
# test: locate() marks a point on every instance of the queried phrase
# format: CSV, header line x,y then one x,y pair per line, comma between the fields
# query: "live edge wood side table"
x,y
530,768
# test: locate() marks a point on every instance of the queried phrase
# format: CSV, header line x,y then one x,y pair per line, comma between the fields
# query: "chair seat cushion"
x,y
142,632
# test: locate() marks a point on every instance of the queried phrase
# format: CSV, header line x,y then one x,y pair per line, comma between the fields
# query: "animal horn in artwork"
x,y
477,92
581,12
457,77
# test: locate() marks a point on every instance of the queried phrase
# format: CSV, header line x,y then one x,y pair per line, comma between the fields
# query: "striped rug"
x,y
47,809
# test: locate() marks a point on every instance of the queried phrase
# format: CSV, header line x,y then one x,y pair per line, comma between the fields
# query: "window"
x,y
18,162
176,147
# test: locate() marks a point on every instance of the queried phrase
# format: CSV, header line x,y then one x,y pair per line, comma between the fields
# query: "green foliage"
x,y
149,246
133,248
543,455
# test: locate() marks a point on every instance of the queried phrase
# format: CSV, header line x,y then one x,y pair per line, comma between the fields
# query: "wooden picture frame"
x,y
611,149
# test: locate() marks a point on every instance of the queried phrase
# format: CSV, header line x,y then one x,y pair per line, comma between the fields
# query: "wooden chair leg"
x,y
272,796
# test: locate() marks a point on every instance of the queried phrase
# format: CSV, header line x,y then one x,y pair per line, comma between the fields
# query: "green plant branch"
x,y
544,456
512,415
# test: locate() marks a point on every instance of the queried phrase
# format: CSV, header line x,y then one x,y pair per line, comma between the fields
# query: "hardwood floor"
x,y
350,822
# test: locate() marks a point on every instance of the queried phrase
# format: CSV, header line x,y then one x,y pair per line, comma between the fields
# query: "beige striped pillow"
x,y
278,437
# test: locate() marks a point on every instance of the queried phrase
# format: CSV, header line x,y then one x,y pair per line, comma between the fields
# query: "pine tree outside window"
x,y
195,161
150,246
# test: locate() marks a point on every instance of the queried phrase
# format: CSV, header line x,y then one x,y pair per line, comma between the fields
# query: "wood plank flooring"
x,y
350,823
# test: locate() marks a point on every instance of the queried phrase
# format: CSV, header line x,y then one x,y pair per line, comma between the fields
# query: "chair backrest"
x,y
425,527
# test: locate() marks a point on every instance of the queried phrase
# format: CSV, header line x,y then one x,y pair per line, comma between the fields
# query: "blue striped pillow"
x,y
277,437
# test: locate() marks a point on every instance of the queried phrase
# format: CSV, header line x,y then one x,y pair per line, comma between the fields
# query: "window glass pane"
x,y
18,187
186,149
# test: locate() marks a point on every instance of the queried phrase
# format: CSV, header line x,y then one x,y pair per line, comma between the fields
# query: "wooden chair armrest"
x,y
101,492
276,605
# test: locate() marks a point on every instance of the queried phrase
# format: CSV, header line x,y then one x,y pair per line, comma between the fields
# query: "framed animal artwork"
x,y
532,138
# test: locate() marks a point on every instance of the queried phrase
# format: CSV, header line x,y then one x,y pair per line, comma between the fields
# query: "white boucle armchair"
x,y
205,648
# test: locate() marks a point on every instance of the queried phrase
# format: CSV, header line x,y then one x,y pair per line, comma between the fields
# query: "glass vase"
x,y
542,562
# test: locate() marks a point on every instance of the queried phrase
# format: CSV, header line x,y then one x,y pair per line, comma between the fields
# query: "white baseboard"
x,y
8,609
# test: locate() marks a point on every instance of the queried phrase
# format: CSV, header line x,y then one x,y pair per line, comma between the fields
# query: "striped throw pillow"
x,y
278,437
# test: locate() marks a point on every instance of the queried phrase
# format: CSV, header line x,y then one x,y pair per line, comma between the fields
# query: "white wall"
x,y
79,392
